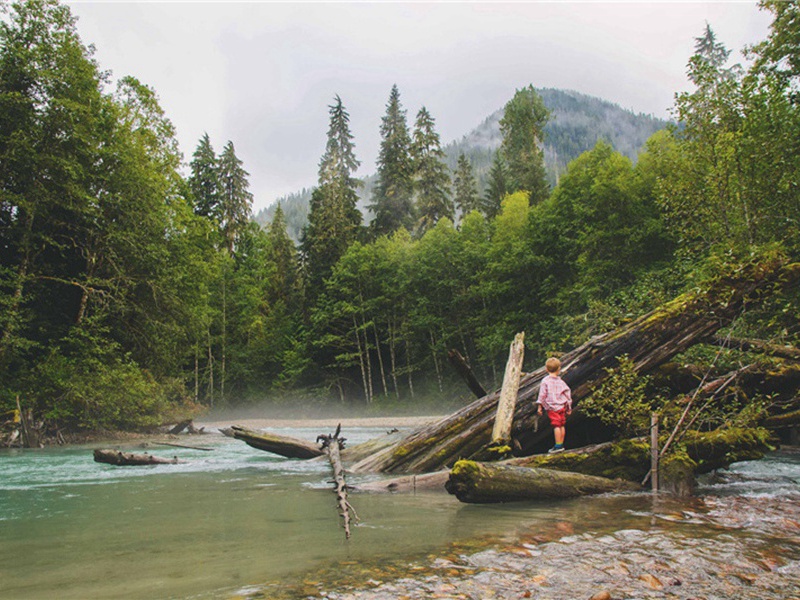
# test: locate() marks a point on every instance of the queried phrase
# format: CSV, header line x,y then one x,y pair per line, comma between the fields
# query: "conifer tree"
x,y
522,126
283,285
333,219
432,182
204,179
392,202
466,188
235,199
497,188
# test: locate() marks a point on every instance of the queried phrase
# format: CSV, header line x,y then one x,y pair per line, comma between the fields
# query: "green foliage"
x,y
621,400
522,126
431,179
465,187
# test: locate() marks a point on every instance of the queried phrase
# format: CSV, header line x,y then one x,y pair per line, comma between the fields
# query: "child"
x,y
556,398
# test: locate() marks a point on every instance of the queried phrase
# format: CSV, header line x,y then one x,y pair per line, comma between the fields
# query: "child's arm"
x,y
542,394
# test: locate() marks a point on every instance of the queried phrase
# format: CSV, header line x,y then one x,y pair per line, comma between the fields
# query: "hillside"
x,y
577,122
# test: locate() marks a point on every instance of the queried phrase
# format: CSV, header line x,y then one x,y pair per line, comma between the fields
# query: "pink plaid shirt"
x,y
554,394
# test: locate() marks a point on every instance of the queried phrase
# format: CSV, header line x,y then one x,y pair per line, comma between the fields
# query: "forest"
x,y
136,287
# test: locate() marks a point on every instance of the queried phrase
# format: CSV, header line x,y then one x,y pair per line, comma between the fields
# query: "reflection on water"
x,y
238,517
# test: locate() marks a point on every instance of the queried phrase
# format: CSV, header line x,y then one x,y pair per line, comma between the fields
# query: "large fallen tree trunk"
x,y
277,444
756,346
648,341
128,459
476,482
425,482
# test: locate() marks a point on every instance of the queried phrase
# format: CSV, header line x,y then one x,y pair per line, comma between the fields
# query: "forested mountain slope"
x,y
577,122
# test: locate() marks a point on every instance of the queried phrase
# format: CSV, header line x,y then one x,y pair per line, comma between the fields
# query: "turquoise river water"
x,y
236,517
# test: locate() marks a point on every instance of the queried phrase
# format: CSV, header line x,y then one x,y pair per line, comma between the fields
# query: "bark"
x,y
277,444
791,419
426,482
184,446
180,427
127,459
501,432
332,444
480,483
648,341
462,367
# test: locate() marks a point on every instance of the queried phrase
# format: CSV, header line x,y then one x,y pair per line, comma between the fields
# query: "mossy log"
x,y
277,444
128,459
648,341
757,346
790,419
698,453
477,483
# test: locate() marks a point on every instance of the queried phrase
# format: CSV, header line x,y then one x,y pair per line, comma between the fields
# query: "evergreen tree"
x,y
204,179
497,188
333,219
431,178
466,188
284,284
522,126
392,202
235,199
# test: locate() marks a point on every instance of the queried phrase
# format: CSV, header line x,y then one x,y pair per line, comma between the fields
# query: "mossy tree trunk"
x,y
648,342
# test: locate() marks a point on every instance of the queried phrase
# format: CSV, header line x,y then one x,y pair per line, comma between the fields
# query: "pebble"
x,y
601,596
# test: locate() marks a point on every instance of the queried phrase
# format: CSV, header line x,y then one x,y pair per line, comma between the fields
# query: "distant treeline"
x,y
129,291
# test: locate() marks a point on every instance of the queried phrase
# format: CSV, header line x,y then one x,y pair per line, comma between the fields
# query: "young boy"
x,y
555,397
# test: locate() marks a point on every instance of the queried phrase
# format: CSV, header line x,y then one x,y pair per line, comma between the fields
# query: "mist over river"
x,y
238,522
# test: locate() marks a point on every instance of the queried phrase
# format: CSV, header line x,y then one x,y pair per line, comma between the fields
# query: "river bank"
x,y
739,539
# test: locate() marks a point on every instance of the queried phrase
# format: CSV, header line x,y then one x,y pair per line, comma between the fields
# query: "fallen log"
x,y
277,444
462,368
184,446
332,444
501,432
425,482
181,426
648,341
757,346
479,483
126,459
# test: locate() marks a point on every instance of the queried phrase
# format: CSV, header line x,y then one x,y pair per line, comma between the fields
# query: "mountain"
x,y
577,122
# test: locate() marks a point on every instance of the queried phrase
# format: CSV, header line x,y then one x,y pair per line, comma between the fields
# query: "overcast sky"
x,y
262,74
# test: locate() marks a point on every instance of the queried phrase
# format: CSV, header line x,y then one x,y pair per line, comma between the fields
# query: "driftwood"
x,y
501,432
184,446
648,341
277,444
475,482
425,482
332,444
181,426
126,459
462,368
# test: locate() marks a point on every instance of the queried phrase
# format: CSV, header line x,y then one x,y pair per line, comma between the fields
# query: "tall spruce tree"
x,y
283,286
392,201
466,187
333,219
235,199
522,126
432,182
497,188
204,179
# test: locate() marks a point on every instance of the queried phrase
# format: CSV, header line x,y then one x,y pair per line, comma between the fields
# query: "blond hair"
x,y
552,365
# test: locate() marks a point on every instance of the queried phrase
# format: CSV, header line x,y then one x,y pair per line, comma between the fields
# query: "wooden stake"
x,y
501,433
654,451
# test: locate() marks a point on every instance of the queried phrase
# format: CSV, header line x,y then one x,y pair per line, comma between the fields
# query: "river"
x,y
238,522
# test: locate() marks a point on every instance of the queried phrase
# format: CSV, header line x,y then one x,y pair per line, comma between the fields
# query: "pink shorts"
x,y
558,418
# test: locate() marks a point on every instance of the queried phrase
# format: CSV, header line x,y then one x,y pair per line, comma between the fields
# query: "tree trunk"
x,y
758,346
408,484
501,432
462,368
393,361
479,483
408,366
647,341
436,362
277,444
332,445
127,459
361,360
380,360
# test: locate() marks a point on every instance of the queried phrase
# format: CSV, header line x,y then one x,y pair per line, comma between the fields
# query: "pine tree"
x,y
430,174
283,285
522,126
392,202
497,188
333,219
235,199
466,188
204,179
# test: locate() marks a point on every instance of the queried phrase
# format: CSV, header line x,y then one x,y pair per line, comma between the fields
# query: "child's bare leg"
x,y
559,434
